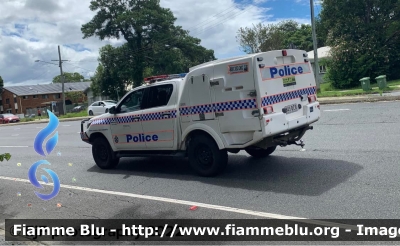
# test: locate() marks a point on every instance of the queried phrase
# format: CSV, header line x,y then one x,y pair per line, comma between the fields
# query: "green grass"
x,y
68,115
327,90
74,115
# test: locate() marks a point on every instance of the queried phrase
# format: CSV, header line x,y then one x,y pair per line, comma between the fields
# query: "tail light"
x,y
268,110
312,98
284,53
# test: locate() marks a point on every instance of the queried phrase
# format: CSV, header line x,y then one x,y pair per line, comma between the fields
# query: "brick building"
x,y
29,98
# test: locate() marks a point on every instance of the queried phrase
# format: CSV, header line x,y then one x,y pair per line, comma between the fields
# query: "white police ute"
x,y
253,103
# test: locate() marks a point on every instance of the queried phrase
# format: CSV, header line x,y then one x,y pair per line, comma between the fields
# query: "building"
x,y
323,53
27,99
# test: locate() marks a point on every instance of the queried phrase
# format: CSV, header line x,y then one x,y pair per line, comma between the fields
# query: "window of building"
x,y
15,99
25,97
35,96
1,102
9,111
8,101
45,96
322,69
57,96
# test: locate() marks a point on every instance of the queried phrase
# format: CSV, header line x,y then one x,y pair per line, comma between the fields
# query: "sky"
x,y
31,30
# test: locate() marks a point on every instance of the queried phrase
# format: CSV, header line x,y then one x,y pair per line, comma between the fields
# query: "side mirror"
x,y
112,110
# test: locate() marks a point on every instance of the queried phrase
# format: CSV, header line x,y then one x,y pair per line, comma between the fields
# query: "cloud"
x,y
32,29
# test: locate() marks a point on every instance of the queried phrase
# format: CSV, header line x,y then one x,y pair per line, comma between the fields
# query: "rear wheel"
x,y
205,158
103,155
260,153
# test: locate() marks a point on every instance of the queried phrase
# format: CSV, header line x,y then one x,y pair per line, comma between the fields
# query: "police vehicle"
x,y
253,103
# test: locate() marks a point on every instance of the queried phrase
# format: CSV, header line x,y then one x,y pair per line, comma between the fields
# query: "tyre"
x,y
90,112
106,111
205,158
103,155
260,153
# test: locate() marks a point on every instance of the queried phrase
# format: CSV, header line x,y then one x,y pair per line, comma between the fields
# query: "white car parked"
x,y
101,107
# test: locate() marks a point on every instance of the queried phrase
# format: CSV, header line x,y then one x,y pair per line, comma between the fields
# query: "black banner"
x,y
202,230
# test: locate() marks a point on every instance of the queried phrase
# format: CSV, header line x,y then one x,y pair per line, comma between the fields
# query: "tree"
x,y
261,38
364,37
5,156
74,96
114,72
69,77
148,29
1,83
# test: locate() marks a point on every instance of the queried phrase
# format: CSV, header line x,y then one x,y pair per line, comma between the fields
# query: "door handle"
x,y
136,118
166,114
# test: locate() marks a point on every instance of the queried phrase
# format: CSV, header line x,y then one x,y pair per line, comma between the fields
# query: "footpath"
x,y
386,97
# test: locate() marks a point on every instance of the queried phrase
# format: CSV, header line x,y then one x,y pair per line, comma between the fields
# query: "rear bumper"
x,y
277,123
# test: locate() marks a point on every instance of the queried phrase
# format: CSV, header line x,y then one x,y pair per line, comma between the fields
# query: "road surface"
x,y
350,170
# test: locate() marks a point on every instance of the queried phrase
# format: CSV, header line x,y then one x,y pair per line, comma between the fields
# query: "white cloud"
x,y
40,25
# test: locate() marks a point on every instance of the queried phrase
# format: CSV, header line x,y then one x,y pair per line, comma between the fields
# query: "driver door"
x,y
126,126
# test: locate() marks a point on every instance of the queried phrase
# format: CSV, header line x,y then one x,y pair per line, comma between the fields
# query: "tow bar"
x,y
300,144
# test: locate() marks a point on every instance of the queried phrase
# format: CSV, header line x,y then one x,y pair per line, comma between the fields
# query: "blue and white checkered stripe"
x,y
158,116
184,111
105,121
133,118
269,100
219,107
198,109
235,105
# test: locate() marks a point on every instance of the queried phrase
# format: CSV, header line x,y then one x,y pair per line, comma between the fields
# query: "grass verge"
x,y
327,90
68,115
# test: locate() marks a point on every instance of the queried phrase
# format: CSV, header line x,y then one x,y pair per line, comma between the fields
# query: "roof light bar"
x,y
156,78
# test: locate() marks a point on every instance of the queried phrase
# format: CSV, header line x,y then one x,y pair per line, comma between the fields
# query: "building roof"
x,y
26,90
322,52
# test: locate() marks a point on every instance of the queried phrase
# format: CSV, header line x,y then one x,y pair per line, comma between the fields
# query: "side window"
x,y
132,102
95,104
159,95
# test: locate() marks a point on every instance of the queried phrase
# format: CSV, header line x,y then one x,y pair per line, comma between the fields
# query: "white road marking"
x,y
336,110
188,203
66,125
14,146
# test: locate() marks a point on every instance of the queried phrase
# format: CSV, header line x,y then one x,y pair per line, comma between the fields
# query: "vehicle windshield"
x,y
8,115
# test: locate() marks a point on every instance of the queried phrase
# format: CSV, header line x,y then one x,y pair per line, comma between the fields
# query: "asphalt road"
x,y
350,170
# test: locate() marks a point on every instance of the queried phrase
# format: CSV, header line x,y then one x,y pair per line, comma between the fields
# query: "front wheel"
x,y
205,158
260,153
90,112
103,155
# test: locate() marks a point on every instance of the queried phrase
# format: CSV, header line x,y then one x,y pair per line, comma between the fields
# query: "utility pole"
x,y
62,78
314,37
